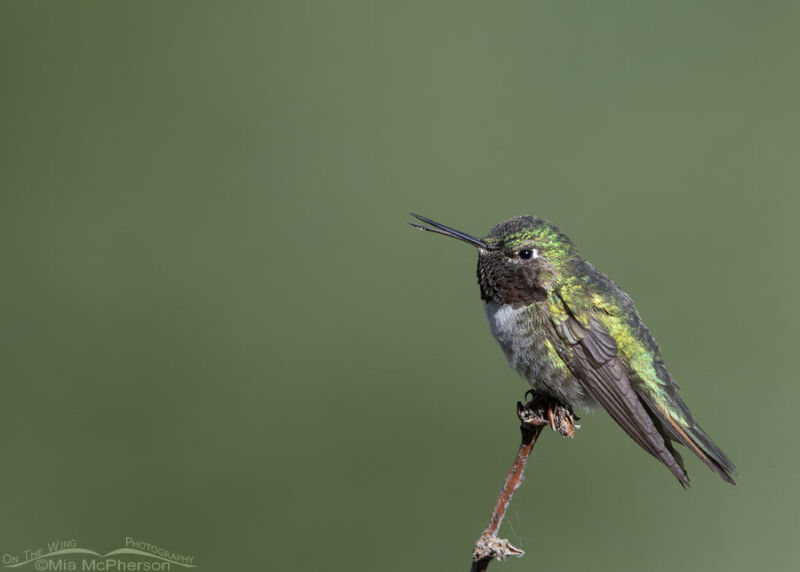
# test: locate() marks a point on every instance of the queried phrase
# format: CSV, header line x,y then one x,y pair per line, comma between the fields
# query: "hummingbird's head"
x,y
520,259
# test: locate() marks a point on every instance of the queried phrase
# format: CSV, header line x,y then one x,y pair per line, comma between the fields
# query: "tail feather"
x,y
692,436
701,444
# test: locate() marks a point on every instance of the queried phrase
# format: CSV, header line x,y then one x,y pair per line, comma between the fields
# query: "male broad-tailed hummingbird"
x,y
577,338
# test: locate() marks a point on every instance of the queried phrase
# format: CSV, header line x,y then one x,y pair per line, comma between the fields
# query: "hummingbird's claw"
x,y
541,411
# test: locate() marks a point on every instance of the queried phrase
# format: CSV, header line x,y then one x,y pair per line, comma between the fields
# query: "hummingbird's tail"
x,y
691,435
701,445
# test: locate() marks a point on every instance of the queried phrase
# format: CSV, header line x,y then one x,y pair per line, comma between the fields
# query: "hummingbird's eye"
x,y
525,254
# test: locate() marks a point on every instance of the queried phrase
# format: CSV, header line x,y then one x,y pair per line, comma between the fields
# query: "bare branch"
x,y
532,420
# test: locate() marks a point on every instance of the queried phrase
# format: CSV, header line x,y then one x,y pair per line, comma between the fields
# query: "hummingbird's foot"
x,y
540,411
489,546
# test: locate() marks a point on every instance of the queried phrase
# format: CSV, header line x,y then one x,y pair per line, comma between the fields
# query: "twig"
x,y
532,420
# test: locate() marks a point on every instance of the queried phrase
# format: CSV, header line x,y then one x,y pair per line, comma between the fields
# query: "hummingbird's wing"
x,y
619,364
591,354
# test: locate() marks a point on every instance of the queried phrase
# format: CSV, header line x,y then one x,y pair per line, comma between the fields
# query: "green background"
x,y
220,336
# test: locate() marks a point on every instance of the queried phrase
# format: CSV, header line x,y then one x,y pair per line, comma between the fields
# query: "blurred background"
x,y
220,336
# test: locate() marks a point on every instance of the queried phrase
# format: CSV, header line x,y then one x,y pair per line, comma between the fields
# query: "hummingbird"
x,y
578,339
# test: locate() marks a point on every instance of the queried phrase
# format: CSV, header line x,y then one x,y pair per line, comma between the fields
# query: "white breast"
x,y
525,347
504,321
511,328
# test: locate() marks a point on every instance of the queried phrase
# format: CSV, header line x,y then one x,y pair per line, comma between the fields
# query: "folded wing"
x,y
593,358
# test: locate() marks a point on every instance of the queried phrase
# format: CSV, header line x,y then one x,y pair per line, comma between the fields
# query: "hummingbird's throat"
x,y
510,283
